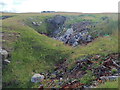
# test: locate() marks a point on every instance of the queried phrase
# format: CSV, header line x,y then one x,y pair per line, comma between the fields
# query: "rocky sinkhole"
x,y
73,34
77,33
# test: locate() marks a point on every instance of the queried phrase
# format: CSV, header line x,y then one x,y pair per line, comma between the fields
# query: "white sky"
x,y
86,6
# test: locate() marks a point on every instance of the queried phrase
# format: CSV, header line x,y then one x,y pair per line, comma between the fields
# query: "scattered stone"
x,y
36,23
69,31
37,78
4,53
67,78
40,87
6,61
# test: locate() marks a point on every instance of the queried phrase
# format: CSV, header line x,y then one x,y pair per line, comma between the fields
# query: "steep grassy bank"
x,y
31,53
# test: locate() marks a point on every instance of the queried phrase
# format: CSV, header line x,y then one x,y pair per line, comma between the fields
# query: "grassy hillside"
x,y
32,52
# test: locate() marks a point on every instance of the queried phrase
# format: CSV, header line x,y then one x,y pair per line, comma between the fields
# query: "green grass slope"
x,y
31,53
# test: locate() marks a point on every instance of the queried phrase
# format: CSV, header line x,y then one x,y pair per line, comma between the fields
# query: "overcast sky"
x,y
86,6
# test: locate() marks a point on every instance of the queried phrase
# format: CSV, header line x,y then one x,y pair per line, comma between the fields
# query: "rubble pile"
x,y
69,78
78,33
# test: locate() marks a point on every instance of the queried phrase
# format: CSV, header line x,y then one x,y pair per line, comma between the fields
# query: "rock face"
x,y
56,23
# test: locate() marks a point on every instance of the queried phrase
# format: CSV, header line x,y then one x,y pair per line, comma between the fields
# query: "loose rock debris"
x,y
68,78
